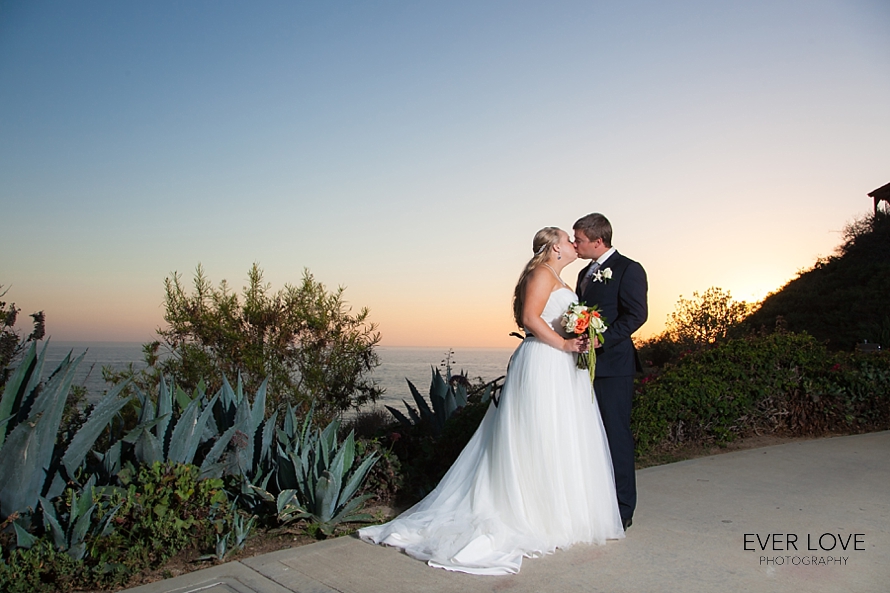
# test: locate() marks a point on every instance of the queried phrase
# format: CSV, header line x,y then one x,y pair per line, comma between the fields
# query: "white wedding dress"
x,y
535,476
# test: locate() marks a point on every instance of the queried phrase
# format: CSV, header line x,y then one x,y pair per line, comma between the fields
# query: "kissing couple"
x,y
549,466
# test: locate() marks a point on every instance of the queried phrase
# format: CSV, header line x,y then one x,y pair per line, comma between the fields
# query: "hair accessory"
x,y
541,249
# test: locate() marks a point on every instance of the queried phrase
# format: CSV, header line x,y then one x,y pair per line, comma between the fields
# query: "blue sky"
x,y
409,151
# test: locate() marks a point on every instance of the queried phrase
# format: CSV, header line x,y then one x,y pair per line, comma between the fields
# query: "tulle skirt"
x,y
535,476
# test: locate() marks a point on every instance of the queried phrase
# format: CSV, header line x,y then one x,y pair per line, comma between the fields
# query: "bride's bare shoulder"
x,y
541,280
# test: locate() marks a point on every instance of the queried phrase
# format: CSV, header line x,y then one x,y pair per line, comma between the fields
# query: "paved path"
x,y
689,535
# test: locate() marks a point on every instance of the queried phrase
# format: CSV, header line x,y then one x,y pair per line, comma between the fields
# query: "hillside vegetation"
x,y
843,299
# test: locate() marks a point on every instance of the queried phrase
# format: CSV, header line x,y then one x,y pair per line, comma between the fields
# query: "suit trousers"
x,y
615,396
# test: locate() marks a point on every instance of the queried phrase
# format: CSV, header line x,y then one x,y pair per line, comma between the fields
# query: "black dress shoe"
x,y
627,523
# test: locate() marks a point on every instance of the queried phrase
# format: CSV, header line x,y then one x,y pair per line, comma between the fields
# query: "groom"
x,y
617,285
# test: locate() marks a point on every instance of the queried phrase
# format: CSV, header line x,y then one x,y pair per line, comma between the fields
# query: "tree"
x,y
11,344
706,318
303,339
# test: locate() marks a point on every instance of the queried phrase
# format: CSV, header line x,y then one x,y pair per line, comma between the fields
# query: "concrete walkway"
x,y
689,535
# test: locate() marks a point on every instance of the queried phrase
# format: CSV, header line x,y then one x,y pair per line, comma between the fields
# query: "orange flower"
x,y
582,323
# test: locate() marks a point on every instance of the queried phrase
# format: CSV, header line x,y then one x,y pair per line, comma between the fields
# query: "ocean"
x,y
396,365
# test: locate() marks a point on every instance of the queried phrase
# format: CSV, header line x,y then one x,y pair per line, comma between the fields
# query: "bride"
x,y
536,475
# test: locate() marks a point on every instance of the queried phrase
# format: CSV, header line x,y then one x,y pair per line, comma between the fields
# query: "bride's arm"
x,y
537,291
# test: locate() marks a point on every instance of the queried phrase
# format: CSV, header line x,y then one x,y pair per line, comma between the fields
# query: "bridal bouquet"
x,y
579,319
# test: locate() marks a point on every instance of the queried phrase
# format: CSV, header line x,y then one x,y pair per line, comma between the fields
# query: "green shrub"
x,y
786,383
385,479
304,340
425,456
39,569
162,510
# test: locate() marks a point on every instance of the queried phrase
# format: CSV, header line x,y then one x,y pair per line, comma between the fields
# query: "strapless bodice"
x,y
557,304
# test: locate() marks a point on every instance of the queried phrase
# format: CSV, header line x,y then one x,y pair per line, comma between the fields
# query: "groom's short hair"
x,y
595,226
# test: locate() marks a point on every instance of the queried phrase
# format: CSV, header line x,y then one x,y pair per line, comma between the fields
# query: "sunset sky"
x,y
409,151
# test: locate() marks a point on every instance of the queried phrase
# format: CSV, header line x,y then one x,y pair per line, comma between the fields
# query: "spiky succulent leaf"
x,y
460,395
403,420
146,446
13,393
449,405
27,452
86,437
111,460
268,434
326,492
347,513
165,411
52,525
357,477
289,507
21,480
180,439
425,412
285,498
147,408
258,411
239,389
30,391
23,539
328,440
188,431
348,448
183,399
79,532
56,486
438,396
209,465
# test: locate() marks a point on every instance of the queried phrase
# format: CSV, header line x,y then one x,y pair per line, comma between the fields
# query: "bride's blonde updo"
x,y
544,239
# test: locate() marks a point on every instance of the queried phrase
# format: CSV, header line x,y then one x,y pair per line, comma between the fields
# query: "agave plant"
x,y
31,463
224,433
445,398
233,540
245,427
319,476
71,528
158,438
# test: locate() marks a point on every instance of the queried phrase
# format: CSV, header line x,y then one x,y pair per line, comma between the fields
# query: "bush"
x,y
784,383
162,510
39,569
303,340
705,319
426,454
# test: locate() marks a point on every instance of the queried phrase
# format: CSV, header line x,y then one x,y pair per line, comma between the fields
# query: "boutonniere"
x,y
603,275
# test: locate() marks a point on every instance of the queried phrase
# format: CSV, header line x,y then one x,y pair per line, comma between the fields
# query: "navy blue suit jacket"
x,y
622,301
